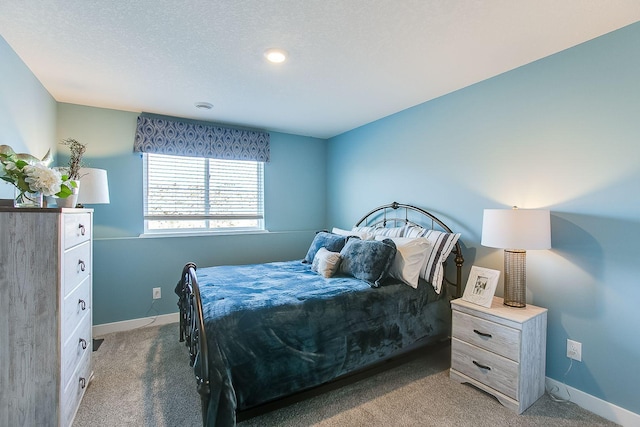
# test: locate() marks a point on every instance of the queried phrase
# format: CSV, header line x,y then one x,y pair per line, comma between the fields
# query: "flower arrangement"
x,y
29,175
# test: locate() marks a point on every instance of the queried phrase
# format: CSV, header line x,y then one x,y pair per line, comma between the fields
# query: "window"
x,y
187,194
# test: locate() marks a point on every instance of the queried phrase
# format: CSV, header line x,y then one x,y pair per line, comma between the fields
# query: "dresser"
x,y
45,314
501,350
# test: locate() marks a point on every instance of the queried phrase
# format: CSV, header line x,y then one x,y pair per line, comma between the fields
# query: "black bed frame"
x,y
192,330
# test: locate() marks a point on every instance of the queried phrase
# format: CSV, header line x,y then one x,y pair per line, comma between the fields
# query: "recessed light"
x,y
204,105
275,55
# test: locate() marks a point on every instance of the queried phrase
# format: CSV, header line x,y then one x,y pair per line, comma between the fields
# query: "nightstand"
x,y
500,350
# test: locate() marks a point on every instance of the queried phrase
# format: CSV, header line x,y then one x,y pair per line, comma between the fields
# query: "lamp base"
x,y
514,304
515,278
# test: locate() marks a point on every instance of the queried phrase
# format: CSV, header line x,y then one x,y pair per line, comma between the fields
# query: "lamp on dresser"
x,y
516,231
94,187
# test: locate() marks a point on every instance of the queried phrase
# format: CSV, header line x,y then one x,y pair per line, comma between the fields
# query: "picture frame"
x,y
481,286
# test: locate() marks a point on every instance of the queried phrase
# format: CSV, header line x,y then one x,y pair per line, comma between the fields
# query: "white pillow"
x,y
364,235
325,262
411,256
382,231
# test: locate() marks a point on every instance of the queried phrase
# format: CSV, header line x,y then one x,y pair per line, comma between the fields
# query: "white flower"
x,y
41,178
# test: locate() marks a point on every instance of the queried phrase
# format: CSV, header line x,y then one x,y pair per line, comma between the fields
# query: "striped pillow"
x,y
443,243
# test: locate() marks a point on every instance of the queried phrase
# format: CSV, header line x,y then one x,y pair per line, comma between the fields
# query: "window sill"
x,y
200,233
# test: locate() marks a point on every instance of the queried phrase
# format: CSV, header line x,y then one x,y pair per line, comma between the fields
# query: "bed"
x,y
258,333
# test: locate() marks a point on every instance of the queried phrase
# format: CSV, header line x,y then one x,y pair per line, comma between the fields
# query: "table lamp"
x,y
516,231
94,186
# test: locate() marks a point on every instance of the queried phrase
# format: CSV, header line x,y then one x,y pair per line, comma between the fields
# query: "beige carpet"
x,y
142,378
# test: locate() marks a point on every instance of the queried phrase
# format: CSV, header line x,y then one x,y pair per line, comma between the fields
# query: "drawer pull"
x,y
83,382
81,264
482,334
83,343
82,304
481,366
82,229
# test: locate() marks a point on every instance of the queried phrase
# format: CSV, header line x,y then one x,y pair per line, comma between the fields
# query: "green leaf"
x,y
21,163
64,191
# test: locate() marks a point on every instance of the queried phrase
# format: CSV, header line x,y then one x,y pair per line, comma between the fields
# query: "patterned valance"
x,y
193,139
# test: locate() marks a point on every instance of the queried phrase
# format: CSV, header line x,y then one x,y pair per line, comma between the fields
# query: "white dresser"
x,y
501,350
45,314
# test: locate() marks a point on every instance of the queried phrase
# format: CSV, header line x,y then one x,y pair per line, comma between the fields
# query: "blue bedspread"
x,y
277,328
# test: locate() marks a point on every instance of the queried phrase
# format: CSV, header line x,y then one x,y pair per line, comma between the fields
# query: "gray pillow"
x,y
323,239
368,260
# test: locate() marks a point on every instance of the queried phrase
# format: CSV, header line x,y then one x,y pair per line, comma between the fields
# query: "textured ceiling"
x,y
351,61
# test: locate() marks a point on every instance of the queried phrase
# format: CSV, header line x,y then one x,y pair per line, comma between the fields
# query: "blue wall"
x,y
562,133
27,111
127,267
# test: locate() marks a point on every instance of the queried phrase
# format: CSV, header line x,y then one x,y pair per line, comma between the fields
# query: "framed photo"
x,y
481,286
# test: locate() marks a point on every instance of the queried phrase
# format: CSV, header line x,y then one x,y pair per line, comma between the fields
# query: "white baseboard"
x,y
596,405
127,325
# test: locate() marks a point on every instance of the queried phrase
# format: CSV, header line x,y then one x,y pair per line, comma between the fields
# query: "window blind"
x,y
195,192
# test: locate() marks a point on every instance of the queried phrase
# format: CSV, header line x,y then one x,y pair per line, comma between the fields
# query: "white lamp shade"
x,y
94,186
516,228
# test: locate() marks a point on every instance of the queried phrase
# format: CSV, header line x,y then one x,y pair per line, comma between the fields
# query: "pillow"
x,y
411,256
389,232
381,231
368,260
323,239
414,231
364,235
325,263
443,243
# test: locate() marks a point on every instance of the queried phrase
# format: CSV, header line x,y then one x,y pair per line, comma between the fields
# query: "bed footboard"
x,y
193,333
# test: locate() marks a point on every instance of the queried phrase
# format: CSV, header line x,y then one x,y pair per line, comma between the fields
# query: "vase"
x,y
27,200
71,200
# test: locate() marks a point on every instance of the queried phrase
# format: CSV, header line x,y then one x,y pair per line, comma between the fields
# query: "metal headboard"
x,y
391,216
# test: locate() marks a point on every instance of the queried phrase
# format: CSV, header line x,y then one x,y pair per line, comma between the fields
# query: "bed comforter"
x,y
277,328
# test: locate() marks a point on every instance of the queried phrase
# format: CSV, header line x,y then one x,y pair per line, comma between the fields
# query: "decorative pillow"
x,y
323,239
326,263
411,256
368,260
443,243
364,235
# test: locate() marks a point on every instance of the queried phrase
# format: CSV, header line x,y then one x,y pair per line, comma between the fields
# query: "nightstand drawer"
x,y
491,336
77,229
494,371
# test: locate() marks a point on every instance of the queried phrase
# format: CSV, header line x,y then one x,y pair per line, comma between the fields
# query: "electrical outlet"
x,y
157,293
574,350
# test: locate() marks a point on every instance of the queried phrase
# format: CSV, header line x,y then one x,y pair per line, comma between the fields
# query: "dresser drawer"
x,y
495,371
77,229
75,348
74,307
76,267
491,336
74,390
